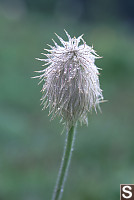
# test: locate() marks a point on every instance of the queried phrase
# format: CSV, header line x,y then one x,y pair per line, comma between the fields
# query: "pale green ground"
x,y
31,146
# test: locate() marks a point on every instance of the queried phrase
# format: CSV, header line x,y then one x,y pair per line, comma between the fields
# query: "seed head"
x,y
71,85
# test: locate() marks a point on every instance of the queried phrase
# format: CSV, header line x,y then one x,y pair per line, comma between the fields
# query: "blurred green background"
x,y
30,145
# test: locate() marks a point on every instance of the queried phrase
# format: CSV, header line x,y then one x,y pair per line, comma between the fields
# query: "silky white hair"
x,y
71,85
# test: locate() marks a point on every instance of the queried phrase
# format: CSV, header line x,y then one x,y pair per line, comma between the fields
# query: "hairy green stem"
x,y
69,142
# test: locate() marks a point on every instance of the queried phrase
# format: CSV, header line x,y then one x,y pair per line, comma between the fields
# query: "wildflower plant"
x,y
70,89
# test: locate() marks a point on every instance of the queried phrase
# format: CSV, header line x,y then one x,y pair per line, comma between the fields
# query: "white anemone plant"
x,y
71,89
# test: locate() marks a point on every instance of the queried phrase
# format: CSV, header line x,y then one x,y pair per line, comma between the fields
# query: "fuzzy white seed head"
x,y
71,85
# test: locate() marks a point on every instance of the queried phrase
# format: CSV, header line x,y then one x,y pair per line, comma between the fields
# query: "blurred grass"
x,y
31,146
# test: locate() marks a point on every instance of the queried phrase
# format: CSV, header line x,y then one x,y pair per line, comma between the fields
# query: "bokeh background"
x,y
30,145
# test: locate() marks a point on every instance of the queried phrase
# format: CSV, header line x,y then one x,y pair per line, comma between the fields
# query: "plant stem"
x,y
69,142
